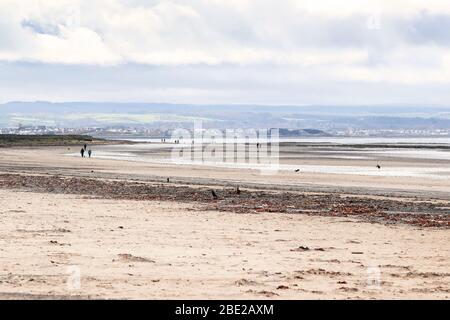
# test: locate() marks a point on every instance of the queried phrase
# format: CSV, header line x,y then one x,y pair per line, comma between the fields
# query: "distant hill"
x,y
161,115
288,133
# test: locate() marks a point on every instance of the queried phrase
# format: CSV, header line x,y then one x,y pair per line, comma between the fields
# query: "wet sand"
x,y
54,160
154,247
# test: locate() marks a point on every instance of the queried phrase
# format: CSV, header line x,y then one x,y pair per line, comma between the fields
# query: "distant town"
x,y
131,131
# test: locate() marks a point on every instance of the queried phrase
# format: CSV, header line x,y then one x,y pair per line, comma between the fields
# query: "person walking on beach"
x,y
90,153
82,152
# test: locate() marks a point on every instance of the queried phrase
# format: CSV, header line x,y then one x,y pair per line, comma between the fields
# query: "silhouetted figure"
x,y
214,195
168,179
90,153
378,166
82,152
297,170
85,147
238,191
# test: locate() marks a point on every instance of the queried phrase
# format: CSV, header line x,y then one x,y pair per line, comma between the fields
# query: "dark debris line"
x,y
330,204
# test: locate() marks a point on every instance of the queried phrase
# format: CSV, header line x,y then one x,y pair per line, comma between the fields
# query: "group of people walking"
x,y
163,140
84,151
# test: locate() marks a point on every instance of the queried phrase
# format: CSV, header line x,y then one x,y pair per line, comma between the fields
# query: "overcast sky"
x,y
226,51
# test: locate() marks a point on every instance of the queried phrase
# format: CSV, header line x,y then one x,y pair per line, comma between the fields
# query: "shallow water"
x,y
337,140
433,162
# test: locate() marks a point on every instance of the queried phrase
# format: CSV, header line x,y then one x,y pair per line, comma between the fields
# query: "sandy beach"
x,y
225,150
128,233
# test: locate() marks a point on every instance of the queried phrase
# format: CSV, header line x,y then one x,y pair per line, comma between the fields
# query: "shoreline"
x,y
53,140
53,161
33,141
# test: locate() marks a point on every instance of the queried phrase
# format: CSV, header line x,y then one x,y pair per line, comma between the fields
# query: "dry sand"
x,y
150,249
137,249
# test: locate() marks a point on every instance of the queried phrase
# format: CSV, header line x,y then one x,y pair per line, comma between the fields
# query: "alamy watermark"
x,y
373,21
74,278
237,148
373,277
